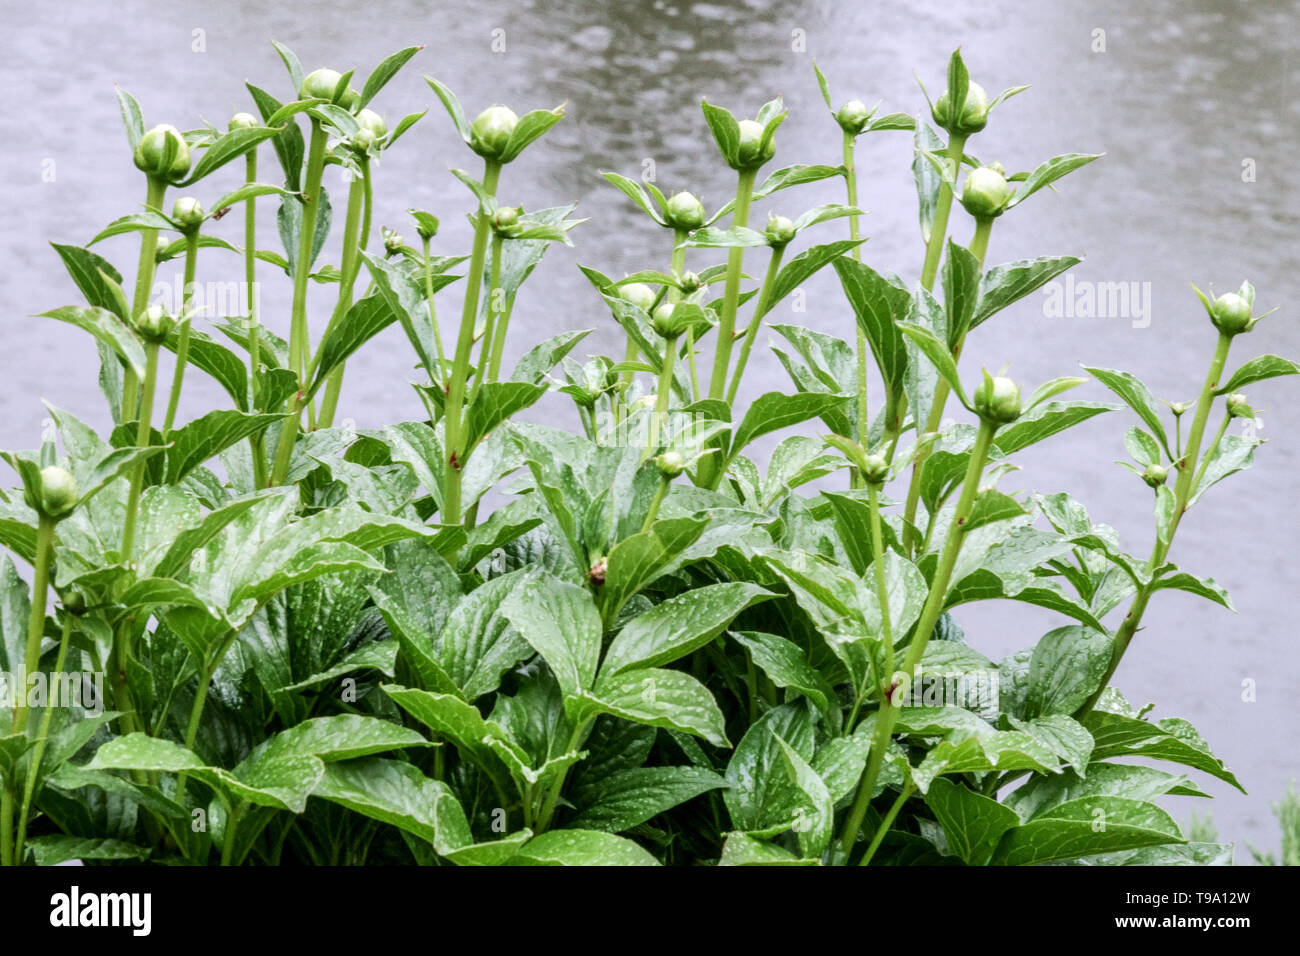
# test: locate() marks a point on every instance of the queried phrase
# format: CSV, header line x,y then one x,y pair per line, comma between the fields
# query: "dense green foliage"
x,y
476,640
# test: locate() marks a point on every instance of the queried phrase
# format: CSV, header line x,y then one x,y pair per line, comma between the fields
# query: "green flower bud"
x,y
1238,407
74,601
320,84
243,121
506,221
368,119
751,153
363,140
685,212
187,213
350,99
58,492
639,294
997,400
671,464
1231,314
1178,408
151,155
491,131
392,241
663,322
154,323
974,113
853,117
780,230
986,192
1155,475
691,282
877,469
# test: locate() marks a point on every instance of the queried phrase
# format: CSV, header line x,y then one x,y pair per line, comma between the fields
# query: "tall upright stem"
x,y
979,248
887,716
435,375
1184,487
257,442
942,206
851,185
36,619
731,294
663,392
490,330
144,274
355,236
143,437
298,331
760,310
454,427
183,334
42,738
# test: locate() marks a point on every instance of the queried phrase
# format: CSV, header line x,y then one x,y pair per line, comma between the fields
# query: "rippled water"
x,y
1183,95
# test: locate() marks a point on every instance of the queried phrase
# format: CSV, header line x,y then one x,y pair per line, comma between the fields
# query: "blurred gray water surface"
x,y
1194,103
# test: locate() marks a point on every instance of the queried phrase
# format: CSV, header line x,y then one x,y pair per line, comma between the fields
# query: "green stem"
x,y
553,797
885,824
863,799
298,331
652,512
1209,452
36,619
435,375
663,392
42,738
499,341
1183,488
451,507
731,294
356,234
887,716
144,274
851,185
183,335
232,824
257,442
6,826
979,248
764,303
942,206
490,324
143,437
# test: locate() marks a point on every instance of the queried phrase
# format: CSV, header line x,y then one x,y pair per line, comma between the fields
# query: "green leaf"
x,y
961,286
108,329
991,506
288,142
802,267
208,436
1086,826
462,724
1046,420
132,116
366,319
880,305
1049,172
1234,453
1258,369
972,823
384,72
636,192
229,371
1001,750
637,561
774,410
494,404
1202,587
1172,739
786,665
939,355
1132,781
227,146
659,697
51,849
629,798
398,794
725,129
1066,667
581,848
560,622
1010,282
541,358
761,798
796,175
679,626
813,808
530,127
452,105
741,849
1138,397
926,142
478,644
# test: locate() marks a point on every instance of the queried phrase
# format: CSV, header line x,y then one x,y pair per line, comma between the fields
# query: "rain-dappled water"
x,y
1195,104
